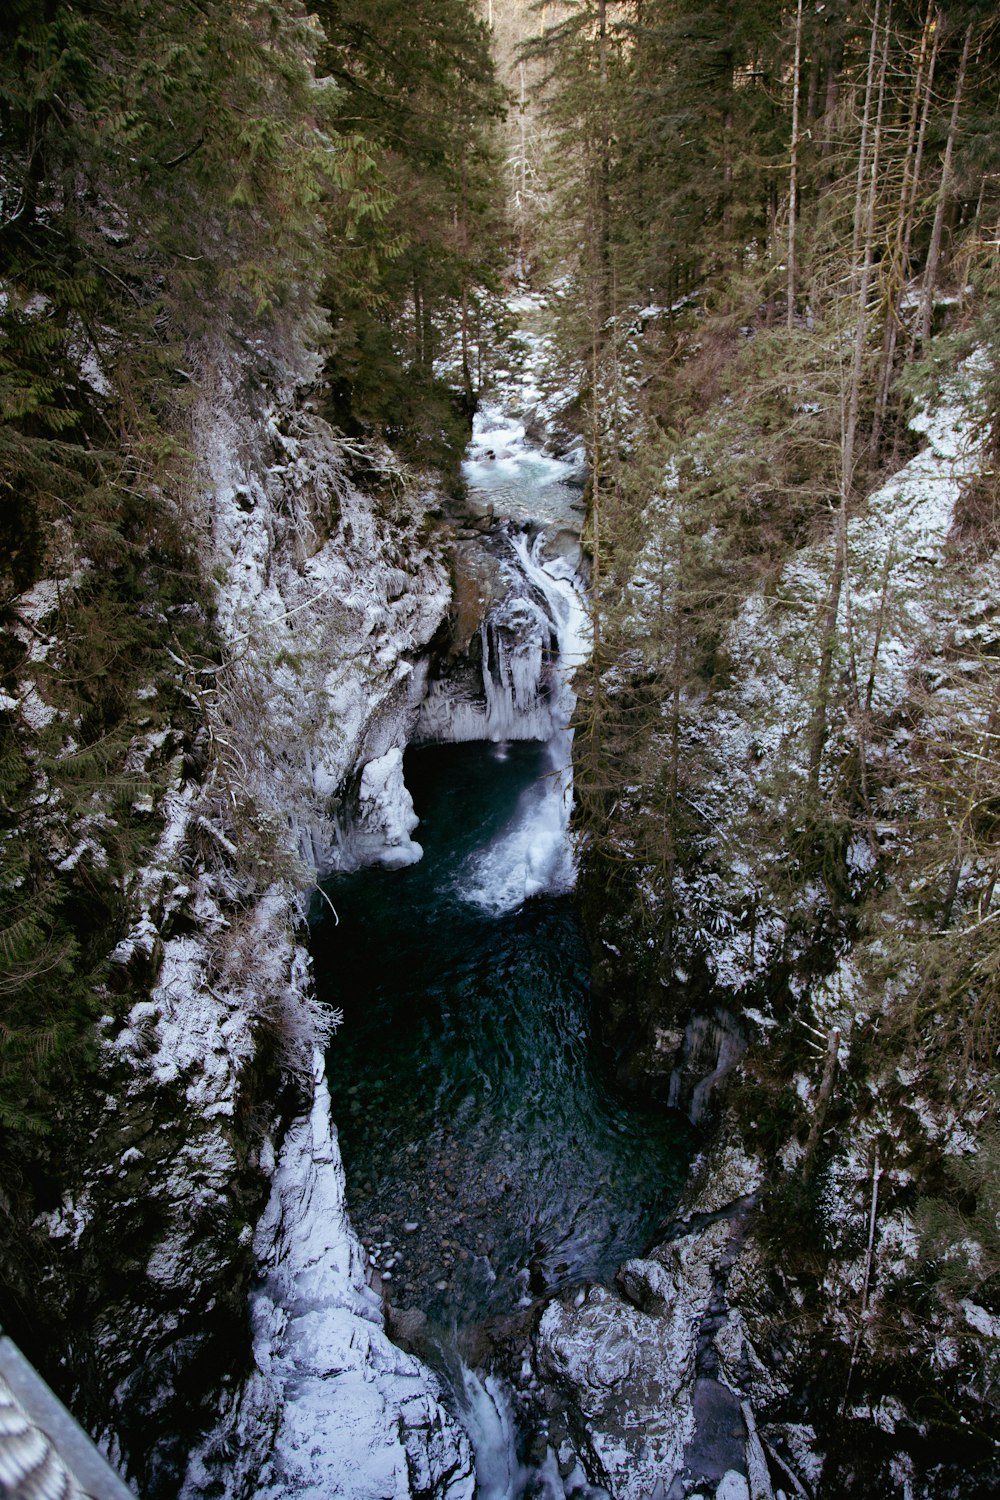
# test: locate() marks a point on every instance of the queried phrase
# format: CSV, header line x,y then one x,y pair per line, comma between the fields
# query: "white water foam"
x,y
487,1412
503,468
534,853
501,458
488,1417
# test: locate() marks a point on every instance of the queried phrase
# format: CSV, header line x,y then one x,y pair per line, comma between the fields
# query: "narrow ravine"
x,y
489,1164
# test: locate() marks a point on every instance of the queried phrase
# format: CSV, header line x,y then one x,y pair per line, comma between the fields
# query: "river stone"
x,y
625,1373
733,1487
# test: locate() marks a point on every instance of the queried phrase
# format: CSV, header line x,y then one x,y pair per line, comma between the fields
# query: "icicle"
x,y
530,696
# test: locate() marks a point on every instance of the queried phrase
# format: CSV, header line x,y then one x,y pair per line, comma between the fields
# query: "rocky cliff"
x,y
819,1318
188,1174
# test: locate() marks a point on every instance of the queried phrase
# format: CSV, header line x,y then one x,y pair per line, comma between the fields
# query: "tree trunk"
x,y
944,192
900,259
679,649
418,324
864,223
863,148
793,170
467,385
823,1099
604,165
462,226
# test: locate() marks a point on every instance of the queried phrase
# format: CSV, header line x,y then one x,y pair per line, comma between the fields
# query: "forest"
x,y
787,223
766,241
169,179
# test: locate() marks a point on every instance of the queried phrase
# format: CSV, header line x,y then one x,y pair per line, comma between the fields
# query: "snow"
x,y
734,1174
353,1415
37,714
627,1363
985,1323
38,602
385,818
70,1219
85,846
321,601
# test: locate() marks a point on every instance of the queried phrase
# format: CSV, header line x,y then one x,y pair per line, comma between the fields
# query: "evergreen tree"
x,y
158,170
416,84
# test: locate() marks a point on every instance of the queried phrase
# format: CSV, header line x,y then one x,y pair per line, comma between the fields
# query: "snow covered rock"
x,y
336,1408
624,1364
324,600
385,818
647,1376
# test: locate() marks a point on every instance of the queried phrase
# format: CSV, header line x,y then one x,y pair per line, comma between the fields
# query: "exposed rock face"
x,y
149,1253
326,604
324,600
326,597
636,1374
711,1048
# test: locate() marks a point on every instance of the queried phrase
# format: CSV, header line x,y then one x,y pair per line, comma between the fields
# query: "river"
x,y
488,1162
490,1165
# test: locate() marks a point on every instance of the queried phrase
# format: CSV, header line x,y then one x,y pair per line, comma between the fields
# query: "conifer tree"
x,y
160,170
416,84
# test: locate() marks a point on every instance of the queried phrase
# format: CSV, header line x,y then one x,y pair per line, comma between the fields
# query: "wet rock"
x,y
622,1365
406,1325
718,1444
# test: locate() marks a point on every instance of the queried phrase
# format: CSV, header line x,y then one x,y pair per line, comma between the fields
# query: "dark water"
x,y
467,1093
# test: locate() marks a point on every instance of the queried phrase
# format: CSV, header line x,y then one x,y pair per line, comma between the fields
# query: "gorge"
x,y
498,723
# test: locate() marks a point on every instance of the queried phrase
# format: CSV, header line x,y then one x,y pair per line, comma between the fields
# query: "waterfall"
x,y
516,644
488,1418
529,645
487,1413
534,853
